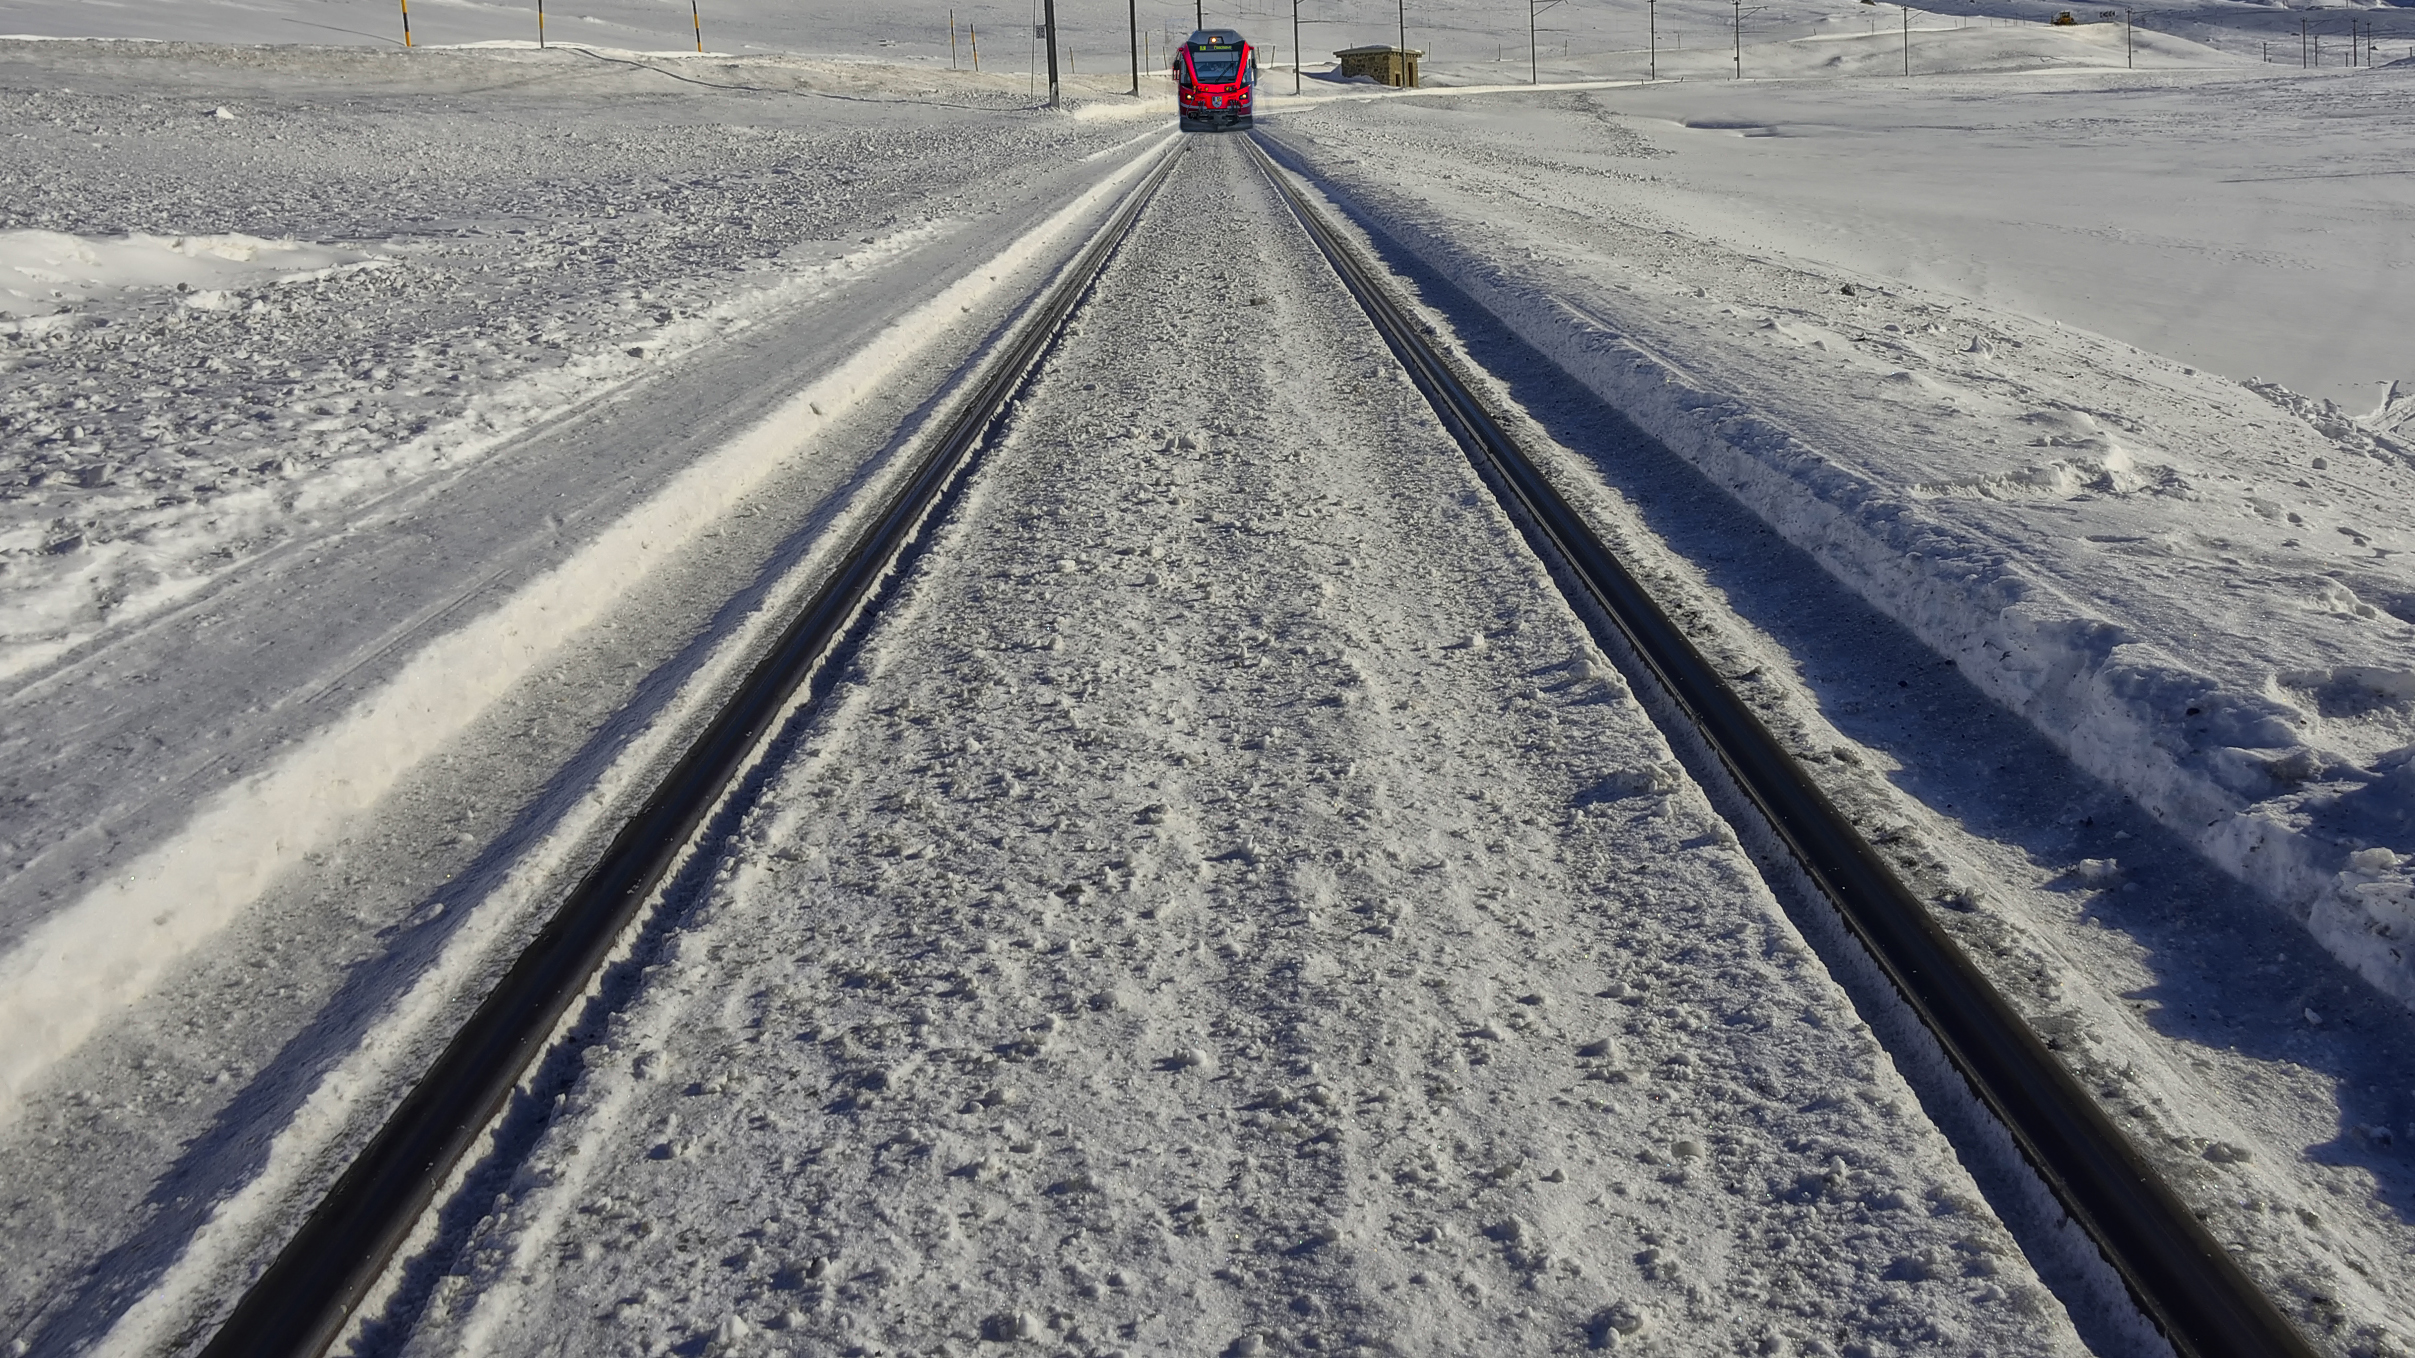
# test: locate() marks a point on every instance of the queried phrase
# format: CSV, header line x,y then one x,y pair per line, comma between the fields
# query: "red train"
x,y
1215,74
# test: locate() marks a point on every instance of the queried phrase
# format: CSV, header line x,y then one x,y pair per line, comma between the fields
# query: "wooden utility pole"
x,y
1049,9
1534,65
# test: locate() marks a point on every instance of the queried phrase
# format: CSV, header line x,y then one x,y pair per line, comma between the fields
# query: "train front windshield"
x,y
1216,68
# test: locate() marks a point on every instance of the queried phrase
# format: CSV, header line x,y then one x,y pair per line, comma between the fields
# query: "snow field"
x,y
78,966
157,436
1230,906
2285,1140
341,649
2292,1158
621,564
2031,501
1467,42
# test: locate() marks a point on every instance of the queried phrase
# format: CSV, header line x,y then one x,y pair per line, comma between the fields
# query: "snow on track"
x,y
1229,906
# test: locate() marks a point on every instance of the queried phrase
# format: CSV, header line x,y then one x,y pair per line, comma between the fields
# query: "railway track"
x,y
302,1303
2178,1275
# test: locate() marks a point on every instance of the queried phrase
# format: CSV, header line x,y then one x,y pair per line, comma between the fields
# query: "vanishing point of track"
x,y
2180,1277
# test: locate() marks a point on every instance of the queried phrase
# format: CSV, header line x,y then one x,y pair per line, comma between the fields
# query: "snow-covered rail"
x,y
301,1304
2179,1275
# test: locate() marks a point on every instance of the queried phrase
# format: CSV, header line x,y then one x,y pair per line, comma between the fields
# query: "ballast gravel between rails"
x,y
2181,1278
305,1298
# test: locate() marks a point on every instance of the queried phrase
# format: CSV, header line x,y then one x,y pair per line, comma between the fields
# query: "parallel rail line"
x,y
304,1300
2179,1275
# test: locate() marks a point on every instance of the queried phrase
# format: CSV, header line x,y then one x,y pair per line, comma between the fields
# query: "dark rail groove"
x,y
305,1298
2181,1278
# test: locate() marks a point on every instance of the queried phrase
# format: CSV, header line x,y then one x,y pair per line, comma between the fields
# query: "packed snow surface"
x,y
1230,906
458,419
2197,583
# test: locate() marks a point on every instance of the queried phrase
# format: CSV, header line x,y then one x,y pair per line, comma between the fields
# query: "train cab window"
x,y
1217,68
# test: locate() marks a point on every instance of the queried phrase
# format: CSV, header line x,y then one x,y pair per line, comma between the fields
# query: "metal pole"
x,y
1134,7
2129,51
1295,46
1050,9
406,9
540,24
1739,8
1534,63
1652,20
697,15
1404,42
1907,39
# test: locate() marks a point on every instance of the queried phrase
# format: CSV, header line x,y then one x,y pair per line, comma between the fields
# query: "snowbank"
x,y
41,269
84,963
2051,509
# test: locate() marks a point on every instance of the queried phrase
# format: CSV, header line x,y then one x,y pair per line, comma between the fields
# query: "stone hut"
x,y
1387,65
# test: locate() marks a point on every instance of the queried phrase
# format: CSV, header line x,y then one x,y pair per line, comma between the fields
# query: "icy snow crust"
x,y
482,629
2197,586
1230,906
185,630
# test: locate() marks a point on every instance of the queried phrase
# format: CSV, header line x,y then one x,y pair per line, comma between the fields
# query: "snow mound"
x,y
47,268
2193,586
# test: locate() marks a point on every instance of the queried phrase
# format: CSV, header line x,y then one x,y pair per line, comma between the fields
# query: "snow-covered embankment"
x,y
2045,506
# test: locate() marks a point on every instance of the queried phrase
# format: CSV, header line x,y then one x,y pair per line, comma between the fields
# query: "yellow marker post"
x,y
540,24
406,8
951,40
974,34
698,16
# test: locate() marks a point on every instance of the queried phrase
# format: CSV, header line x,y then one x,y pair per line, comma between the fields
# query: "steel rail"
x,y
2179,1275
306,1297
